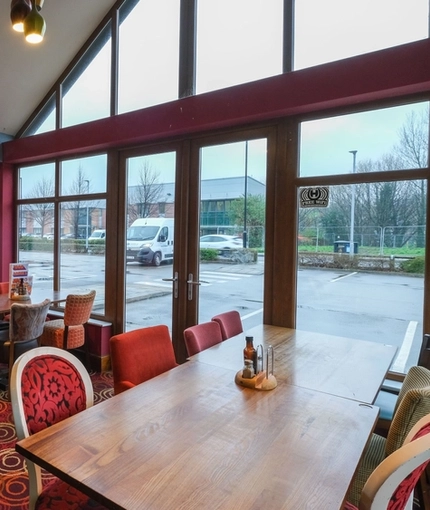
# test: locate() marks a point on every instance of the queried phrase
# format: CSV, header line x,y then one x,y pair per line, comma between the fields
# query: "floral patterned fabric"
x,y
52,390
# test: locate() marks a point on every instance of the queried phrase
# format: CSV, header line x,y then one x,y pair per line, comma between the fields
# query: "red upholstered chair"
x,y
392,483
230,323
69,333
47,385
202,336
139,355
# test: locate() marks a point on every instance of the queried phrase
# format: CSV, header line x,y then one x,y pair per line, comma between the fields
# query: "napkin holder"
x,y
264,379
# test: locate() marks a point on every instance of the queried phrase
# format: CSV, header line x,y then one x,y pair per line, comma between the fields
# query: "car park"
x,y
221,242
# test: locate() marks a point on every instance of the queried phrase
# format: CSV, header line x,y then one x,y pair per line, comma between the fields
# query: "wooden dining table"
x,y
37,296
192,438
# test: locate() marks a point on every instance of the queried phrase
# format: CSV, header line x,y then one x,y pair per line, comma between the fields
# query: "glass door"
x,y
232,229
150,239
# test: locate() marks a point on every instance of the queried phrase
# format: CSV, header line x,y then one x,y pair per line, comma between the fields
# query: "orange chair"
x,y
69,333
139,355
230,323
202,336
48,385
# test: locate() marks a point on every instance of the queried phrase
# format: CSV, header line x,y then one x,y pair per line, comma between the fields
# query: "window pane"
x,y
84,175
82,260
36,245
37,181
365,282
387,139
87,90
237,41
335,29
148,55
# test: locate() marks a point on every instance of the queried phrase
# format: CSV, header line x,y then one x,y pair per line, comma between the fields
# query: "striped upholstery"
x,y
412,404
391,484
69,333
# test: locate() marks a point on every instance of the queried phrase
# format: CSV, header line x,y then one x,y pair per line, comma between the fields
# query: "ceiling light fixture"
x,y
25,18
19,10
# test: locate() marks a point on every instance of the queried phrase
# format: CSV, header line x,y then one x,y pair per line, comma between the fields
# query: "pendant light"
x,y
19,10
34,25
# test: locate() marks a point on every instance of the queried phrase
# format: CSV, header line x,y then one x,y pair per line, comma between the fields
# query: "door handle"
x,y
191,283
175,284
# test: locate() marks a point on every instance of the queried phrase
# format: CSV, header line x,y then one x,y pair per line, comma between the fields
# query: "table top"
x,y
192,439
345,367
37,296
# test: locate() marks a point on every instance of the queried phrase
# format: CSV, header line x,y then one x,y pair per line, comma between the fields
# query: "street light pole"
x,y
245,234
351,232
86,227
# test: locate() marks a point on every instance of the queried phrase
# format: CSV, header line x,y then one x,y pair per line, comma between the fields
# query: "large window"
x,y
67,221
335,29
237,41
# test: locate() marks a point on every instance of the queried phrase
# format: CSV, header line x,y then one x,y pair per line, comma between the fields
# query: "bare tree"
x,y
41,213
143,199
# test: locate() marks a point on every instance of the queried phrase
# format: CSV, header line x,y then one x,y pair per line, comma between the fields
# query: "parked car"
x,y
97,235
221,242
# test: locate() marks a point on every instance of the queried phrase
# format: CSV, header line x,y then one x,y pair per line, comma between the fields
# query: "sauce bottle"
x,y
249,353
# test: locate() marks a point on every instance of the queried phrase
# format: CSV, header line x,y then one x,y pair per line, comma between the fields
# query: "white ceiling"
x,y
29,71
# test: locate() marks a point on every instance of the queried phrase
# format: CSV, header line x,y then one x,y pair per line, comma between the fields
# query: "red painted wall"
x,y
7,224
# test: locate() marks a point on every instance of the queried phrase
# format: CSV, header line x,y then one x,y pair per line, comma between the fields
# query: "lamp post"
x,y
86,226
351,232
245,234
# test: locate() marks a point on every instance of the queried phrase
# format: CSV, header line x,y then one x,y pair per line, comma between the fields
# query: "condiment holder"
x,y
263,378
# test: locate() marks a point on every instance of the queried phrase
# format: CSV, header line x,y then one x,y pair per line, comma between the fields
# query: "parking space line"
x,y
342,277
399,363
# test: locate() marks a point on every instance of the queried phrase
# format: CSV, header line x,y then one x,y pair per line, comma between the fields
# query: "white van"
x,y
150,241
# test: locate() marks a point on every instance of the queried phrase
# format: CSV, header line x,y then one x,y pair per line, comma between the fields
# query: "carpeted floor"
x,y
13,475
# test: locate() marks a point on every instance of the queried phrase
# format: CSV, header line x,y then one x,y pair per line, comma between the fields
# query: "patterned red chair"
x,y
400,471
69,333
48,385
230,323
202,336
139,355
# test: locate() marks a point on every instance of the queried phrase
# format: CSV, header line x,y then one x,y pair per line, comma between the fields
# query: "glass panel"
x,y
232,230
335,29
148,55
150,222
361,265
84,175
237,41
37,181
35,242
86,92
82,259
388,139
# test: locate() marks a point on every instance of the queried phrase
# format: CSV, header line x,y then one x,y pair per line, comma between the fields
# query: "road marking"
x,y
399,363
154,284
243,317
342,277
226,274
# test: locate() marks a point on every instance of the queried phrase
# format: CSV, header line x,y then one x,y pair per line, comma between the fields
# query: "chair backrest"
x,y
46,386
230,323
412,404
4,287
47,378
139,355
78,308
402,470
202,336
27,321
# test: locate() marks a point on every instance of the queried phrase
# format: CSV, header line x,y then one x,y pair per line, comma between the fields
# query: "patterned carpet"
x,y
13,475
